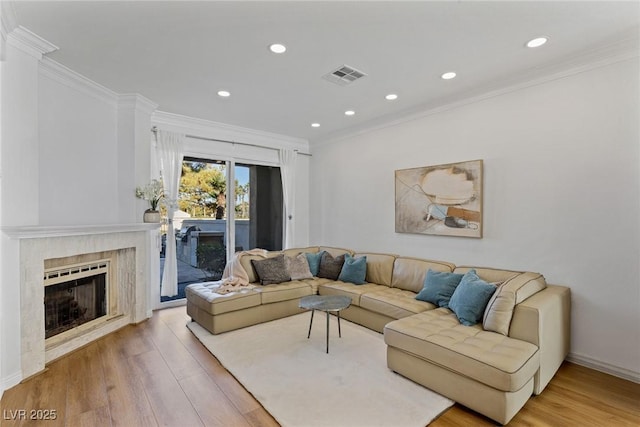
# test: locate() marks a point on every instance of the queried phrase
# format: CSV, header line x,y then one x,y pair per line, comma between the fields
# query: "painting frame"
x,y
443,200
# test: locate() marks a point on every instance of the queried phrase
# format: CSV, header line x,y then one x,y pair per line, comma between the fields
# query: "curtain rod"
x,y
155,129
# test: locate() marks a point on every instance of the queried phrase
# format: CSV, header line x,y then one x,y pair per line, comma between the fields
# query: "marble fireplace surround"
x,y
131,245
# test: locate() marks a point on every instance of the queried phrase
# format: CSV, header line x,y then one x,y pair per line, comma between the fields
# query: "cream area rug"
x,y
301,385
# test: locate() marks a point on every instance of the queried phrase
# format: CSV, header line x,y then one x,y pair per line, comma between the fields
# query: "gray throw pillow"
x,y
271,270
330,267
298,267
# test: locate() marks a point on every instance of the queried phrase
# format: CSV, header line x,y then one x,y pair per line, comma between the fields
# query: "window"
x,y
203,230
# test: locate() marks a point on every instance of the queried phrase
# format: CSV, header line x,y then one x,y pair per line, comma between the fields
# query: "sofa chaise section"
x,y
490,372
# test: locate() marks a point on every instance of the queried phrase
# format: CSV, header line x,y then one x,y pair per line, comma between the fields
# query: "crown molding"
x,y
624,48
61,74
30,43
135,101
225,132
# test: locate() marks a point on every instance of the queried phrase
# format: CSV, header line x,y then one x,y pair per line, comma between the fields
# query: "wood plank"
x,y
133,340
178,358
49,394
128,401
86,388
168,401
212,405
95,417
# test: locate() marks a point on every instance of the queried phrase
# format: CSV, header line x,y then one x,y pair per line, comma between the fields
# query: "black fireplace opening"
x,y
70,304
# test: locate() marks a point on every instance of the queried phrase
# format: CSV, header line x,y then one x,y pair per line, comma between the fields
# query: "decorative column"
x,y
134,153
134,170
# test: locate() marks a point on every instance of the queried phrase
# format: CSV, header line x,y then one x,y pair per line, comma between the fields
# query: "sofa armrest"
x,y
544,319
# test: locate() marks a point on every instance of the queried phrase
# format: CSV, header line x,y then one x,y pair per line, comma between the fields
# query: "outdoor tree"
x,y
242,206
202,190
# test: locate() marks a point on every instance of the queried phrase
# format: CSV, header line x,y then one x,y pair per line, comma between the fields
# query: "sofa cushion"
x,y
409,273
298,267
438,287
348,289
330,267
379,267
284,291
499,311
204,296
393,302
470,298
354,270
501,362
271,270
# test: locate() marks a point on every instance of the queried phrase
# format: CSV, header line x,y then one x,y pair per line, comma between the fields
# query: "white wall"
x,y
561,196
78,152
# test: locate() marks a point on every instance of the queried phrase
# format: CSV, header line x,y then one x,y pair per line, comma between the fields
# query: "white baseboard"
x,y
607,368
10,381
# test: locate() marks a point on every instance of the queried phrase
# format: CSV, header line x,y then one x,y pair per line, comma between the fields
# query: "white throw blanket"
x,y
234,277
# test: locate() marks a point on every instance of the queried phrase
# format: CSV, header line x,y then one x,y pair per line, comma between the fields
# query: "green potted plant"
x,y
153,193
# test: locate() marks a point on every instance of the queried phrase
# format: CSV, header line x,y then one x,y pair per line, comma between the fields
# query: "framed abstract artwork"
x,y
444,200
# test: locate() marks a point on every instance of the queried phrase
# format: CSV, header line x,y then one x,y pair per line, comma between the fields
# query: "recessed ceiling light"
x,y
448,76
537,42
278,48
223,93
391,97
349,113
315,125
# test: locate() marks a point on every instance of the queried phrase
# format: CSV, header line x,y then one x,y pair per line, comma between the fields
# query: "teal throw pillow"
x,y
354,270
438,287
470,298
314,261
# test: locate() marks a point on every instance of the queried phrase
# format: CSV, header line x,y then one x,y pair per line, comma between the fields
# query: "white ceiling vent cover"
x,y
344,75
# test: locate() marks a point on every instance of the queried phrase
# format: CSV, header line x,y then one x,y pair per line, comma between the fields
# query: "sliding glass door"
x,y
223,207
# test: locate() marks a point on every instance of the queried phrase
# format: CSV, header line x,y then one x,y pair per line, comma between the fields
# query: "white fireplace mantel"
x,y
138,265
39,232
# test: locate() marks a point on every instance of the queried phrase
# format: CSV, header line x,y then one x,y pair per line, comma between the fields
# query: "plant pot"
x,y
151,216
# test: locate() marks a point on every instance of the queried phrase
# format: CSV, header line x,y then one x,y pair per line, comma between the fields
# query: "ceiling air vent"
x,y
344,75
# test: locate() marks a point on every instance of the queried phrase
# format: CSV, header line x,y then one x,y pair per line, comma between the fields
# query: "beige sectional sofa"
x,y
492,367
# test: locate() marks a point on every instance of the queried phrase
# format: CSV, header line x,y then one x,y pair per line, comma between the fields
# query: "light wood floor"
x,y
158,373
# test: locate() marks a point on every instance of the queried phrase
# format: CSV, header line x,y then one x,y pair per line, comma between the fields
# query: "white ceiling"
x,y
179,54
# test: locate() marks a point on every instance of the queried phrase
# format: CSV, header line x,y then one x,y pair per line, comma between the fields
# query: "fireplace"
x,y
74,296
56,265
